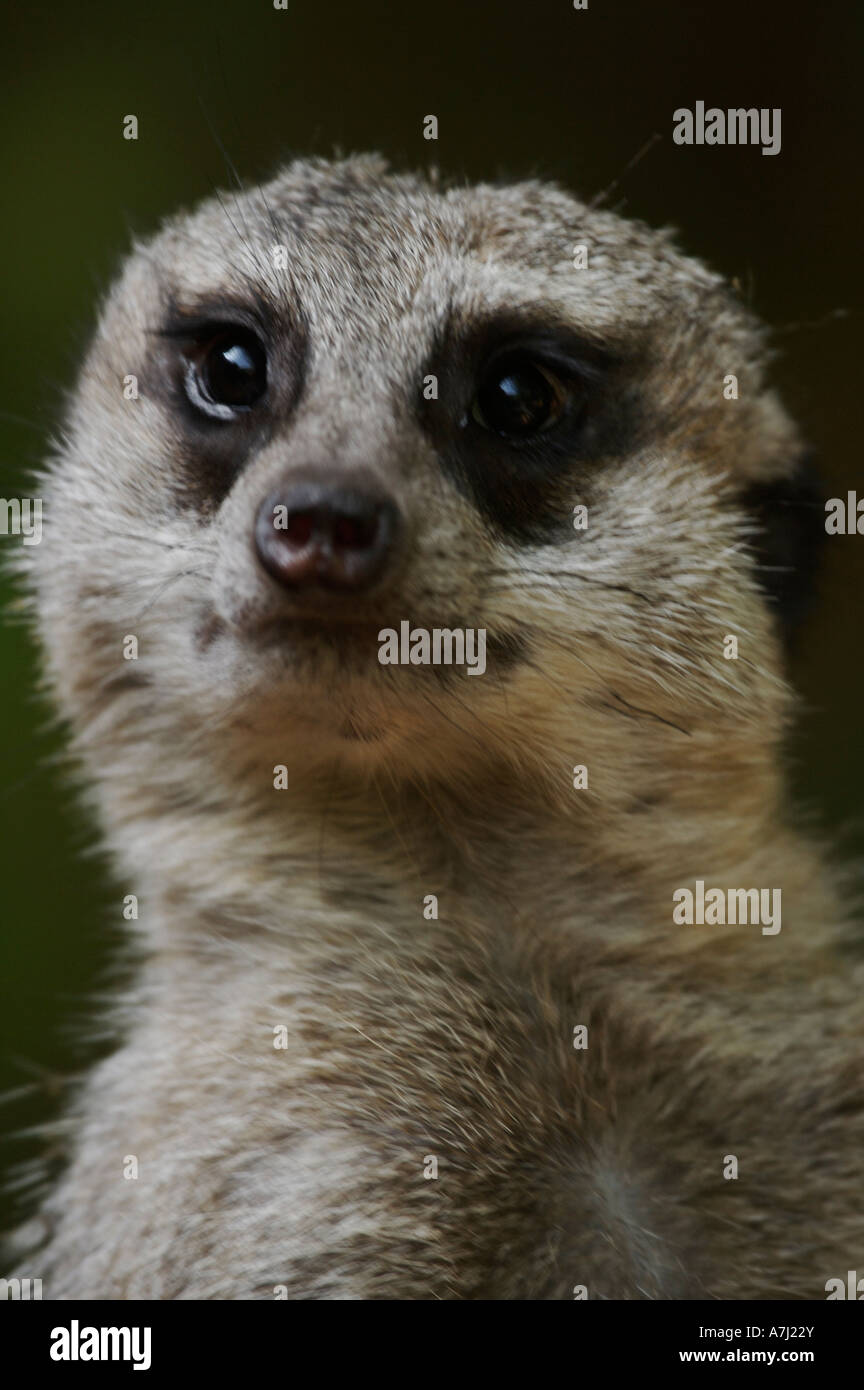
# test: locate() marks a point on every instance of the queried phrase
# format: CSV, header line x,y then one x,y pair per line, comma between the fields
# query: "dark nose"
x,y
337,537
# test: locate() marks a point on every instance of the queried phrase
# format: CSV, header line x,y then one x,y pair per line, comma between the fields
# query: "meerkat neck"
x,y
503,847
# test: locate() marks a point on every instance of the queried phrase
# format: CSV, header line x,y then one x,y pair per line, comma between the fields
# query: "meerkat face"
x,y
348,404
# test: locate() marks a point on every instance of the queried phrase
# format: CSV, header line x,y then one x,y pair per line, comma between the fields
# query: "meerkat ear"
x,y
789,513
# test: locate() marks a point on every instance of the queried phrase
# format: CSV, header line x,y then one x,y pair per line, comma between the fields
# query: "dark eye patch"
x,y
520,466
789,513
230,372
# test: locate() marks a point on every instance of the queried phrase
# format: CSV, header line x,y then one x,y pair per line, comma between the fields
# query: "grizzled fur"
x,y
408,1038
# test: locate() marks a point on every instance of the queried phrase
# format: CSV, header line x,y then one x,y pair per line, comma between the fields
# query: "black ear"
x,y
789,513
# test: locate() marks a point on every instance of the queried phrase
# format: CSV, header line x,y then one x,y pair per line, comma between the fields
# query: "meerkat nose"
x,y
317,534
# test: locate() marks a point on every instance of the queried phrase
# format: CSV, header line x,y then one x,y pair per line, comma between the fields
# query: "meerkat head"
x,y
347,401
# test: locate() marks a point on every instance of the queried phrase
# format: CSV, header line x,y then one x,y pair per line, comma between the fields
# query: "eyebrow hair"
x,y
540,326
186,319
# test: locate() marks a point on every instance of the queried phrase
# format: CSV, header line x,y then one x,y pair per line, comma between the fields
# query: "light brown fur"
x,y
303,1167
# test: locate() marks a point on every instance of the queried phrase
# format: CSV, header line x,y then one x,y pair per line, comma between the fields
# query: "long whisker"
x,y
448,720
167,545
172,579
627,704
518,579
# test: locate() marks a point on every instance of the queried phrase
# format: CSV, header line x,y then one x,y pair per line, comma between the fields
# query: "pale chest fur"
x,y
350,1107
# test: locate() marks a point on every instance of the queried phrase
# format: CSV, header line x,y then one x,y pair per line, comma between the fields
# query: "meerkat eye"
x,y
518,396
226,373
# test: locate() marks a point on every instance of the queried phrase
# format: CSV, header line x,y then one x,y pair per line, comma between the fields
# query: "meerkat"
x,y
415,1015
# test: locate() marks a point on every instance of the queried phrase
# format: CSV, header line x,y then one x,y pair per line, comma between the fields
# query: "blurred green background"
x,y
518,88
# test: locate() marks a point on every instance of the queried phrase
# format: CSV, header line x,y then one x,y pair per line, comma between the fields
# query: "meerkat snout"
x,y
325,535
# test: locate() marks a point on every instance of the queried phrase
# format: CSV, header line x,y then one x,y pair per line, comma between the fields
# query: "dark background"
x,y
531,88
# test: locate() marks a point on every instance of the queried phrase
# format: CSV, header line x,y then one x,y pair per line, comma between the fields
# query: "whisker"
x,y
453,722
628,705
172,579
168,545
518,579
